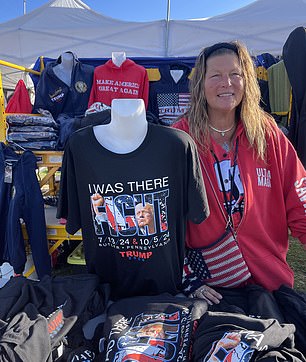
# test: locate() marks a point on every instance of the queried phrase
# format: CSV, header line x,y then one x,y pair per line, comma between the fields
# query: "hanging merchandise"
x,y
129,80
55,95
262,63
20,100
169,96
294,55
21,198
279,93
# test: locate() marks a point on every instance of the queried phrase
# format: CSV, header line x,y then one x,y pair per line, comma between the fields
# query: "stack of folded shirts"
x,y
32,132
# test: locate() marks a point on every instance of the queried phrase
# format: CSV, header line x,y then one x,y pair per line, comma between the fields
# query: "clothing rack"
x,y
51,161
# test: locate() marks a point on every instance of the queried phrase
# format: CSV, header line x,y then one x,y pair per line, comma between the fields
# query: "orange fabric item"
x,y
20,100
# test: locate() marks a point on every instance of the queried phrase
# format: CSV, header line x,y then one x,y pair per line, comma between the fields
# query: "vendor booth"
x,y
57,175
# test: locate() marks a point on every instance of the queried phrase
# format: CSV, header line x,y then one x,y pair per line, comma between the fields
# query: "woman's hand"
x,y
209,294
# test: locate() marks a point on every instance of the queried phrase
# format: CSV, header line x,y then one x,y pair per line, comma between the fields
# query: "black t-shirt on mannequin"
x,y
133,207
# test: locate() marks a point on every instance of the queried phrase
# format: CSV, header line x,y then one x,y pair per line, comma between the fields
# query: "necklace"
x,y
221,131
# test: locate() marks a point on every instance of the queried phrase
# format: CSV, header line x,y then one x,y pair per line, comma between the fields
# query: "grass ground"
x,y
297,260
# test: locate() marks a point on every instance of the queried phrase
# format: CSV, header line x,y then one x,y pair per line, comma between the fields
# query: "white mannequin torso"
x,y
118,58
63,70
127,129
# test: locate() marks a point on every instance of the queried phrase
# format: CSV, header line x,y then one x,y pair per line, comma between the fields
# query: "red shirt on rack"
x,y
20,101
130,80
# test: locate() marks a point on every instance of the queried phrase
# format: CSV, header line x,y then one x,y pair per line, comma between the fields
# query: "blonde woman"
x,y
254,180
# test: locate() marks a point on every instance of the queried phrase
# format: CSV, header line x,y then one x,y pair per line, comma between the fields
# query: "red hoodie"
x,y
275,200
20,100
130,80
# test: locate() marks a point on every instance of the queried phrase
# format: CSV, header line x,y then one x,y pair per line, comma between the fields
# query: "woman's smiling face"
x,y
223,84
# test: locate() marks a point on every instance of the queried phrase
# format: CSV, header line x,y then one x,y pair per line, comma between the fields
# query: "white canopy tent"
x,y
62,25
263,26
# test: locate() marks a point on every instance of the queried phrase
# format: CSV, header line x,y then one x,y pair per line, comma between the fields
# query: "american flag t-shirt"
x,y
171,106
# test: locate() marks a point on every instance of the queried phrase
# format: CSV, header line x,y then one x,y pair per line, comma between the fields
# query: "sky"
x,y
135,10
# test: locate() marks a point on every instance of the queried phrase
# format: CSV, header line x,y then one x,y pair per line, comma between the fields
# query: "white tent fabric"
x,y
263,26
70,24
62,25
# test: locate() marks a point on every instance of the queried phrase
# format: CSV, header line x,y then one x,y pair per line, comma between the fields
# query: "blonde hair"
x,y
255,120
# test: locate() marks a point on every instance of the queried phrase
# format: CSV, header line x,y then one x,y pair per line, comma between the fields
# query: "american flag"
x,y
171,106
219,265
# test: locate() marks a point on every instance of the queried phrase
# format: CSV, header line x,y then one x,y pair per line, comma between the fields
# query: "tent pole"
x,y
167,28
2,113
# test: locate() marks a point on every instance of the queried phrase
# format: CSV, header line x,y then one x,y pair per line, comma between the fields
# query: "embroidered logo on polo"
x,y
132,218
57,96
263,177
80,86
